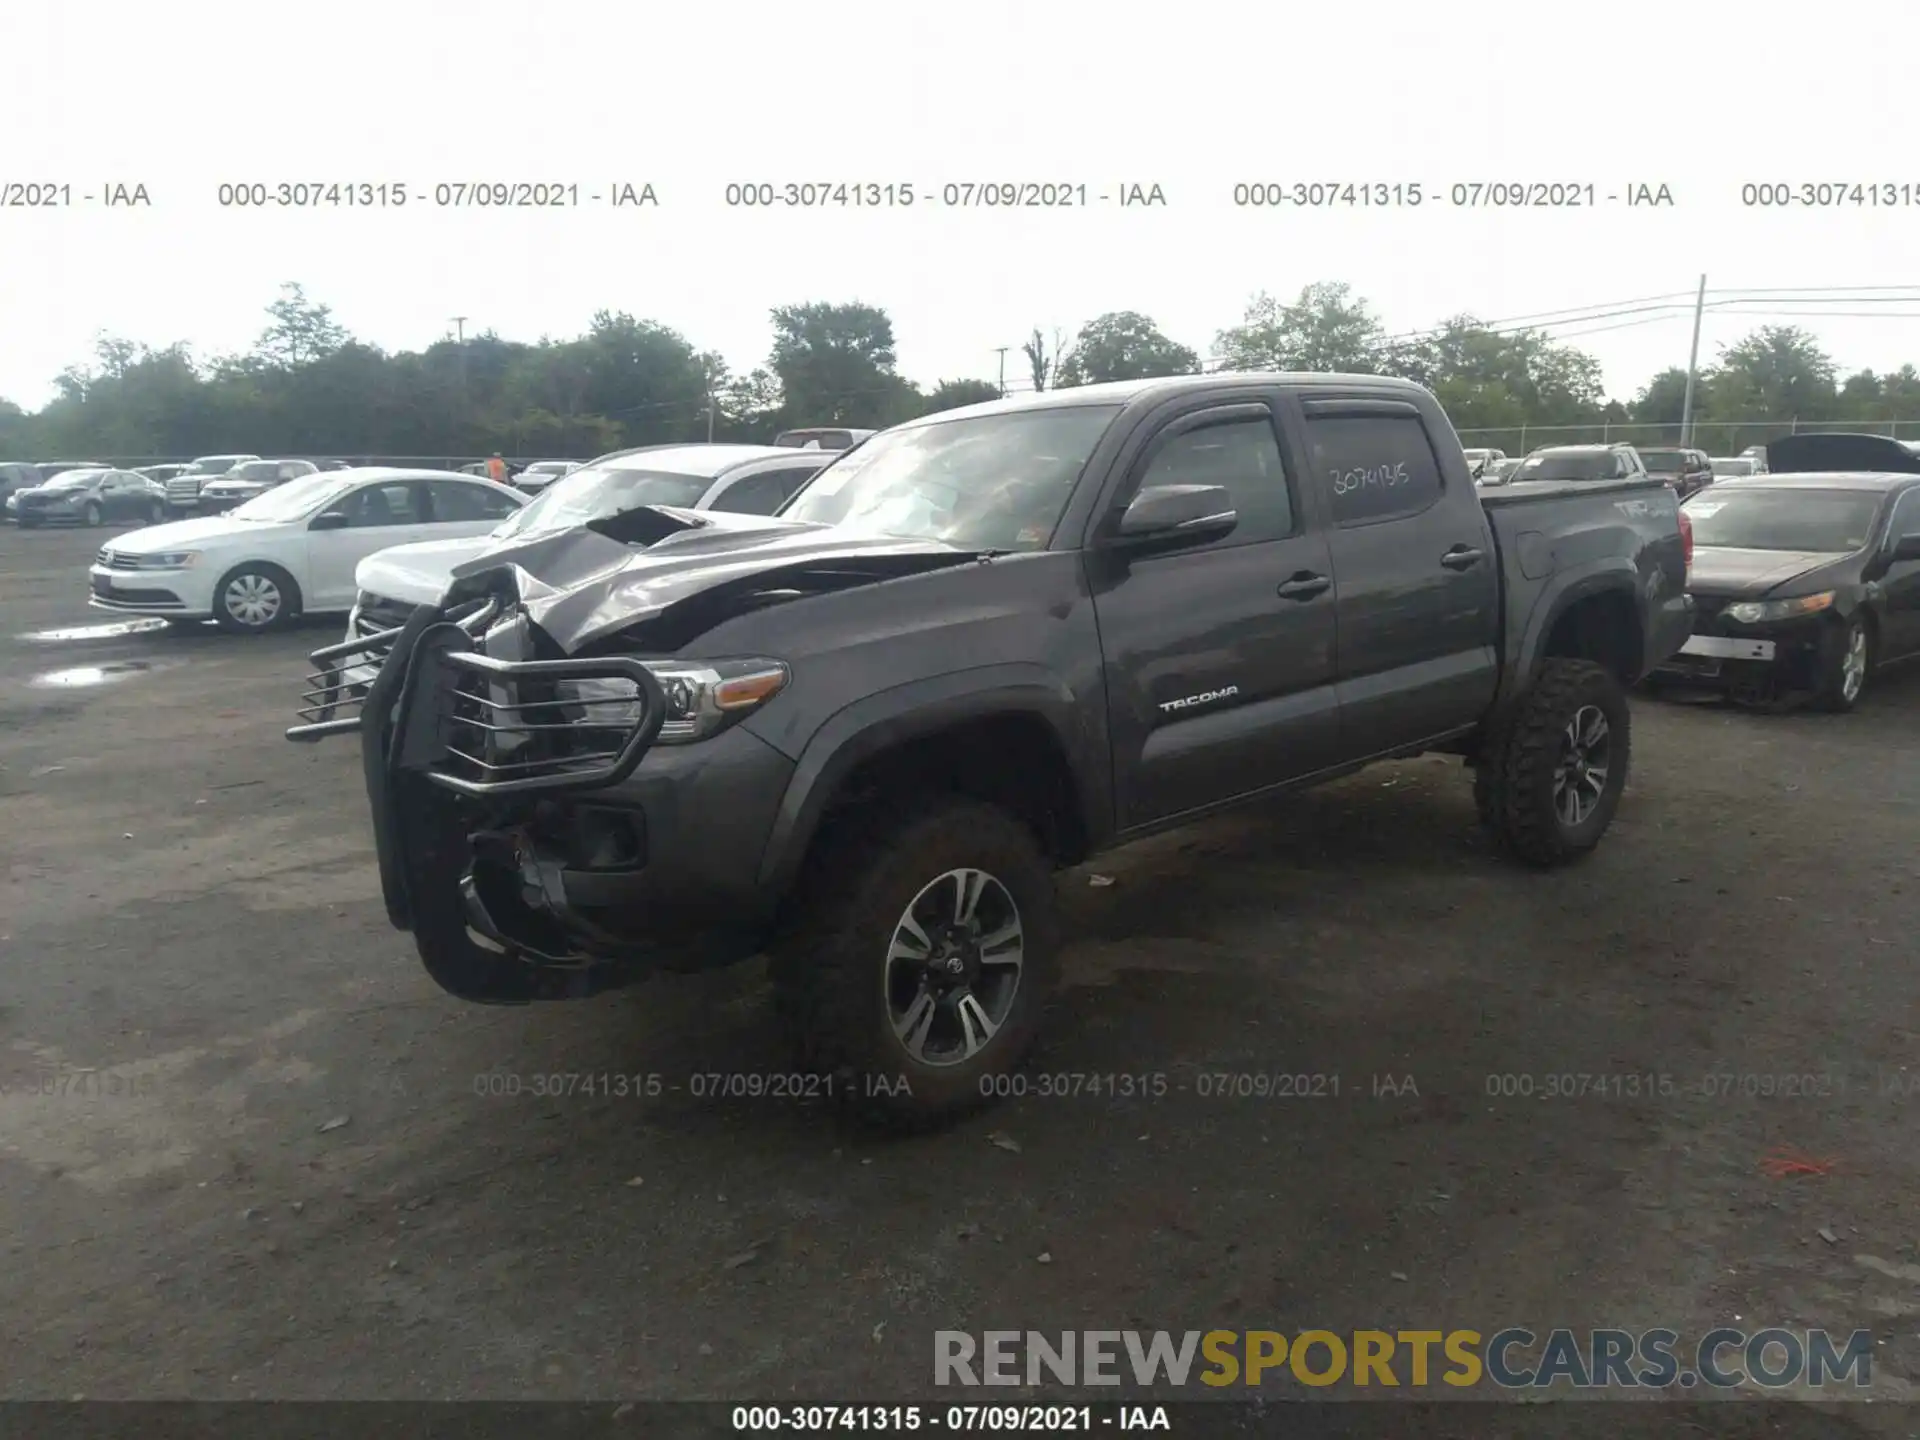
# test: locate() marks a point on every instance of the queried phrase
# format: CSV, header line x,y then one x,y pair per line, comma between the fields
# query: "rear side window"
x,y
454,503
1373,467
761,494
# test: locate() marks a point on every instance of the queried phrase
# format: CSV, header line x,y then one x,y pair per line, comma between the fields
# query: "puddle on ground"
x,y
111,631
82,676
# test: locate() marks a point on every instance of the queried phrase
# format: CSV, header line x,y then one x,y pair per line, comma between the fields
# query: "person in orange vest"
x,y
497,469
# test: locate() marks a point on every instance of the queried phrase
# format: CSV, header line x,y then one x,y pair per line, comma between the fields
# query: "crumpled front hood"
x,y
583,584
1750,572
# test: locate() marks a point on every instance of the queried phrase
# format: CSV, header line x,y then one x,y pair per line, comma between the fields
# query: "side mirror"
x,y
329,520
1907,547
1171,516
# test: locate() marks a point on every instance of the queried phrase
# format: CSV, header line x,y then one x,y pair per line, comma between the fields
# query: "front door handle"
x,y
1304,586
1461,557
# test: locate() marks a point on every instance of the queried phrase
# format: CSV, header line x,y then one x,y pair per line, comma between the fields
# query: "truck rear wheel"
x,y
915,979
1548,783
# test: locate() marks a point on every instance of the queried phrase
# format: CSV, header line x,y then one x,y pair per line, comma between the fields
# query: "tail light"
x,y
1686,540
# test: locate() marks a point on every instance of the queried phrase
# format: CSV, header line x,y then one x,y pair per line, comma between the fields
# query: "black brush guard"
x,y
447,710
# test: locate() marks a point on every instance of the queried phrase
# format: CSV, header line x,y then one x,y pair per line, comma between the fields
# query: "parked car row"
x,y
301,542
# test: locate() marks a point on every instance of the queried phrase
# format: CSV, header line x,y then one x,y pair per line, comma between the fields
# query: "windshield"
x,y
212,465
995,482
72,480
1733,467
296,499
1567,465
597,493
547,467
1749,517
1663,459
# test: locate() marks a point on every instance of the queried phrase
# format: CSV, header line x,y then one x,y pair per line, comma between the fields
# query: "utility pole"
x,y
460,340
1001,351
712,408
1693,366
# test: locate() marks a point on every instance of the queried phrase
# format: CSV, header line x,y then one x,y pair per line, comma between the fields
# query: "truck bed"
x,y
1561,538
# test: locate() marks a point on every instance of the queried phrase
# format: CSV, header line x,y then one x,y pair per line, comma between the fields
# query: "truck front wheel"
x,y
914,978
1550,779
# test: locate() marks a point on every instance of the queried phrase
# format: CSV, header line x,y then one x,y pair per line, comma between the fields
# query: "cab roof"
x,y
1125,392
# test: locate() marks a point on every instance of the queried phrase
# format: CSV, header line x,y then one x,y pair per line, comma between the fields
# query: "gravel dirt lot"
x,y
194,951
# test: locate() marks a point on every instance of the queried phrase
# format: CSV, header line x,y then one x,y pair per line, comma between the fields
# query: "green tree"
x,y
1662,400
1327,328
835,365
300,333
1122,345
1783,373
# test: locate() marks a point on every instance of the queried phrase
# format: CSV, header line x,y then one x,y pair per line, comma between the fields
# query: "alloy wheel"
x,y
1580,779
953,967
1853,666
252,599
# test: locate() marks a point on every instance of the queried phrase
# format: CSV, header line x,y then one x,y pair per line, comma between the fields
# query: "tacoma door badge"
x,y
1205,697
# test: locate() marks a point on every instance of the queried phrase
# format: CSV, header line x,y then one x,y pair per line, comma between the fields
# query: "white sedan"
x,y
293,550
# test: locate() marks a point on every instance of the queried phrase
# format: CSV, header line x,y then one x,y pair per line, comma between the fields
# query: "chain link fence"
x,y
1717,437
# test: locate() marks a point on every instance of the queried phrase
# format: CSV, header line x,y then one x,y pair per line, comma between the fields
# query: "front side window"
x,y
1374,467
1905,519
75,480
1243,456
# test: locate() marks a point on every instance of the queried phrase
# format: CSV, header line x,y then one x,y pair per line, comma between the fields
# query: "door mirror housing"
x,y
1167,517
1907,547
329,520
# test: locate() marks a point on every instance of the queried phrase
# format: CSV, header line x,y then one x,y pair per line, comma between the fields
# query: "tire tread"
x,y
1519,761
820,973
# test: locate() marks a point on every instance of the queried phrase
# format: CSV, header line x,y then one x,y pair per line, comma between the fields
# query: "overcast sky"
x,y
185,96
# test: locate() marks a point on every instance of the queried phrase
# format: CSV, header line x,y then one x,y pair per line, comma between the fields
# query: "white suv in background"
x,y
291,551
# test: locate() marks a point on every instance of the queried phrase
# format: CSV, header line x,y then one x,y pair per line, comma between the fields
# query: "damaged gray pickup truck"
x,y
862,735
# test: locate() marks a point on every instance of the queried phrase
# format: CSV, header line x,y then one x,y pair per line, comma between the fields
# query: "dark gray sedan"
x,y
91,497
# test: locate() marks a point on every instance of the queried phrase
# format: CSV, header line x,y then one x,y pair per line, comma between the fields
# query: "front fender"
x,y
922,707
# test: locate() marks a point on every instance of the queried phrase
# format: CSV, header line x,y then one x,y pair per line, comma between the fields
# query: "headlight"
x,y
173,560
1757,612
702,698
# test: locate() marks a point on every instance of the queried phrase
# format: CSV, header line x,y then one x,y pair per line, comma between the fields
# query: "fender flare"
x,y
907,712
1564,590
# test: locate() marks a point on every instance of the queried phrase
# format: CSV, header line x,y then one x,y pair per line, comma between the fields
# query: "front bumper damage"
x,y
1771,663
462,753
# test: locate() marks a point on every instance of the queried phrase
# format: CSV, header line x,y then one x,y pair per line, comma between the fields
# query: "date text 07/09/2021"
x,y
999,1419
